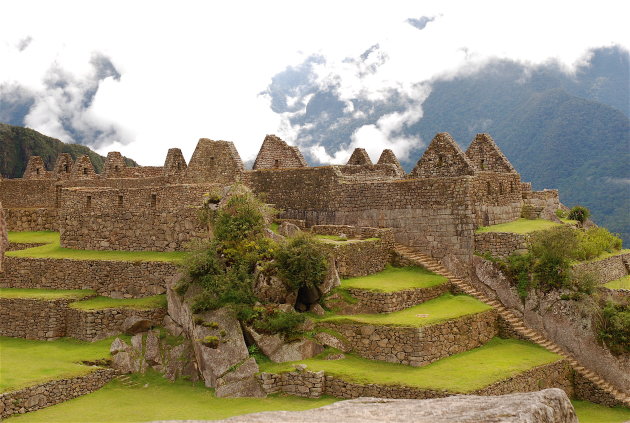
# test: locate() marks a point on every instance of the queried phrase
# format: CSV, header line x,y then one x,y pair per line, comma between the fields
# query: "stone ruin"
x,y
275,153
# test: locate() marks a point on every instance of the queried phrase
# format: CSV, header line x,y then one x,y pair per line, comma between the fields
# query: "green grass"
x,y
445,307
53,250
519,226
393,279
36,237
274,227
161,400
589,412
100,303
27,362
569,221
465,372
622,283
606,255
45,294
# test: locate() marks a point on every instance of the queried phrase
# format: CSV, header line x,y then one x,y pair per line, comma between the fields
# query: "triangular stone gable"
x,y
35,169
215,161
443,157
83,168
388,157
63,166
115,165
486,155
276,153
175,163
359,157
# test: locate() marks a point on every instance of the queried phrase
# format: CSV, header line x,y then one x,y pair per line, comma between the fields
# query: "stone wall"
x,y
354,257
27,193
4,242
542,204
556,375
109,278
486,156
155,218
52,319
33,319
388,302
216,161
419,346
588,391
35,219
500,244
53,392
608,269
496,197
443,157
92,325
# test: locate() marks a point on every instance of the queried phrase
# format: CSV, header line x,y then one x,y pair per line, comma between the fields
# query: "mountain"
x,y
565,130
17,144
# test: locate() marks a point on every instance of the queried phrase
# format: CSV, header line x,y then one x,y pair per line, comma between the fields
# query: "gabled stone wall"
x,y
36,169
275,153
215,161
486,156
443,157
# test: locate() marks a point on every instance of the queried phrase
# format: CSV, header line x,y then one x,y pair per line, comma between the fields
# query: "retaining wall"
x,y
419,346
31,219
92,325
115,279
33,319
499,244
608,269
53,392
387,302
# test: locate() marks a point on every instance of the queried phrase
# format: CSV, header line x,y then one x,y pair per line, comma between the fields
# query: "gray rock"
x,y
135,324
241,382
288,229
270,288
280,351
332,278
272,235
231,350
547,406
117,346
171,326
317,309
152,351
332,341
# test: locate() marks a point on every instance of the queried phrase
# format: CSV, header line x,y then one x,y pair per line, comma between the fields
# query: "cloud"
x,y
24,43
420,23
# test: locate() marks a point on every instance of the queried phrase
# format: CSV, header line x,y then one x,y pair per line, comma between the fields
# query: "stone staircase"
x,y
126,381
516,324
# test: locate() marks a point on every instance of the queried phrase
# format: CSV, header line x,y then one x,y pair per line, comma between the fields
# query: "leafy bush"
x,y
614,327
280,322
302,261
518,267
595,241
579,213
241,217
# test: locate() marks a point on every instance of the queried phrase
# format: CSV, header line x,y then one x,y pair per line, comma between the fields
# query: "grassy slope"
x,y
395,279
99,303
45,294
27,362
589,412
464,372
35,237
161,400
519,226
622,283
54,250
445,307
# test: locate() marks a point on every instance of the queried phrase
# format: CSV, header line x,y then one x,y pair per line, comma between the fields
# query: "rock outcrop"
x,y
547,406
279,350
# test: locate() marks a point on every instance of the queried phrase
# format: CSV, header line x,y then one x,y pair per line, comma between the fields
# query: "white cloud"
x,y
194,69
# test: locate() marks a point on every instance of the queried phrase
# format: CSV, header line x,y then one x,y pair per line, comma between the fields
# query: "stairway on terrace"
x,y
518,327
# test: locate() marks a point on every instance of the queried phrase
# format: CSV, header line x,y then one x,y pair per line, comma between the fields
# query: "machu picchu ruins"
x,y
412,283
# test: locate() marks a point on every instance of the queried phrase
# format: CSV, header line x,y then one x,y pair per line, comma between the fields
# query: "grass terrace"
x,y
53,250
393,279
158,399
606,255
27,362
589,412
622,283
519,226
438,310
45,294
101,303
465,372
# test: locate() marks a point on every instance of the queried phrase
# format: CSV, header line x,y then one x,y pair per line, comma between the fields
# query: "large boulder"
x,y
288,229
279,350
269,288
332,341
242,382
547,406
332,280
136,324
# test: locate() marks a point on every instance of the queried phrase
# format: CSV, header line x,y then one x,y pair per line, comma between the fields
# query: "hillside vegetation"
x,y
17,144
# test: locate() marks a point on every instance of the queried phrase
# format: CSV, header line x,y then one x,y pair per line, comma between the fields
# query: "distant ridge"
x,y
17,144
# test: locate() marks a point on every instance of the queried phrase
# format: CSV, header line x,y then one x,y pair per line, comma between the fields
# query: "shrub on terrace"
x,y
302,261
579,213
614,327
